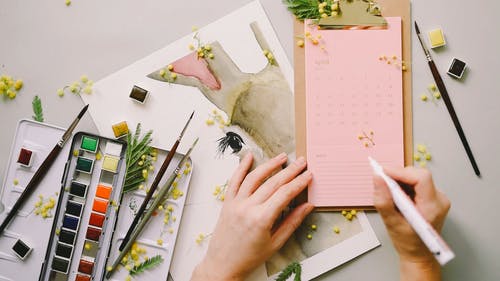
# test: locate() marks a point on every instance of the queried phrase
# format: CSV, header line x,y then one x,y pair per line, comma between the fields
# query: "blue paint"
x,y
70,222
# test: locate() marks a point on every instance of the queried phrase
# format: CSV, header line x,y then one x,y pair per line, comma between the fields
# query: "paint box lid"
x,y
32,230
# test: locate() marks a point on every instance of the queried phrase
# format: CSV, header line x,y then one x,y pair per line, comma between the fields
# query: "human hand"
x,y
430,202
246,235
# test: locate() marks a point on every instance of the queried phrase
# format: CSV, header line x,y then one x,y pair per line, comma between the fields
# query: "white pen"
x,y
424,230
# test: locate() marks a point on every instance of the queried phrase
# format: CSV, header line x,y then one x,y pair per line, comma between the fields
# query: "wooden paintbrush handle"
x,y
447,101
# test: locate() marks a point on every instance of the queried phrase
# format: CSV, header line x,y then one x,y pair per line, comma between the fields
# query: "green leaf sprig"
x,y
293,268
138,158
147,264
37,109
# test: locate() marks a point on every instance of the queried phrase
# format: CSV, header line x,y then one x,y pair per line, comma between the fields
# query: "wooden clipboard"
x,y
400,8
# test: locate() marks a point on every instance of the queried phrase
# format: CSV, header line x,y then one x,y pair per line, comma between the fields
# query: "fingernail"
x,y
281,156
300,161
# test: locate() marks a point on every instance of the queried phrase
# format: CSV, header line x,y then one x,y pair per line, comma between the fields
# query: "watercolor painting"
x,y
259,105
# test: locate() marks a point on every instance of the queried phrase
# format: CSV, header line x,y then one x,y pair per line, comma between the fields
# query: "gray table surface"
x,y
49,45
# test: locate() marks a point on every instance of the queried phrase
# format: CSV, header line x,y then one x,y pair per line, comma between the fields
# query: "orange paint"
x,y
100,206
103,191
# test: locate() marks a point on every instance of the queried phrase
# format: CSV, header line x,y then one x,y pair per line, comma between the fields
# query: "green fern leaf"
x,y
293,268
147,264
136,148
37,109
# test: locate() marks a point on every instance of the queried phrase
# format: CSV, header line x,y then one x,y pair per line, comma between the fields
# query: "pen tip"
x,y
416,28
190,117
84,109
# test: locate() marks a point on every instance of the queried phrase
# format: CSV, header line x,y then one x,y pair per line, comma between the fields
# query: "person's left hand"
x,y
245,235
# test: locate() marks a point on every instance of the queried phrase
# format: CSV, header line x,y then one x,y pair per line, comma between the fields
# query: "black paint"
x,y
74,208
67,237
64,250
21,249
78,189
60,265
139,94
457,68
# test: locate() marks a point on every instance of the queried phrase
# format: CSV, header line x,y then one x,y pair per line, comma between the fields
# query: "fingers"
x,y
282,197
239,176
433,204
260,174
281,178
409,175
445,206
421,179
290,224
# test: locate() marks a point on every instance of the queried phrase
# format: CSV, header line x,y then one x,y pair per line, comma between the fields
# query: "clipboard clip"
x,y
354,14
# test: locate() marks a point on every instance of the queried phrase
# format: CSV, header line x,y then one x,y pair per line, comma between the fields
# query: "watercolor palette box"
x,y
87,210
70,229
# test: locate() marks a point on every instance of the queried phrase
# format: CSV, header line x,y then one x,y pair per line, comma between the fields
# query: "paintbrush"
x,y
447,102
156,181
42,171
154,205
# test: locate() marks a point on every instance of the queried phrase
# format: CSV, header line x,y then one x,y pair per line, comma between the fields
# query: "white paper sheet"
x,y
166,110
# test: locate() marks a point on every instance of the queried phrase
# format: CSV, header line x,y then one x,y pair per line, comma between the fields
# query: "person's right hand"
x,y
430,202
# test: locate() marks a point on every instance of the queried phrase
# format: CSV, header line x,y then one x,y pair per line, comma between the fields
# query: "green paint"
x,y
84,164
89,143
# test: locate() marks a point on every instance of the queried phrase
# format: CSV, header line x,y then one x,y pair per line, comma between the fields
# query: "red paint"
x,y
96,219
86,266
25,157
93,234
80,277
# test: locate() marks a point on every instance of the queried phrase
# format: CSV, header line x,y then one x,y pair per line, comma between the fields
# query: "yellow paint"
x,y
436,38
120,129
110,163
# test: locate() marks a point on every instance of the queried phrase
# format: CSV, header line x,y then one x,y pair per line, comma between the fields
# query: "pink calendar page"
x,y
354,109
